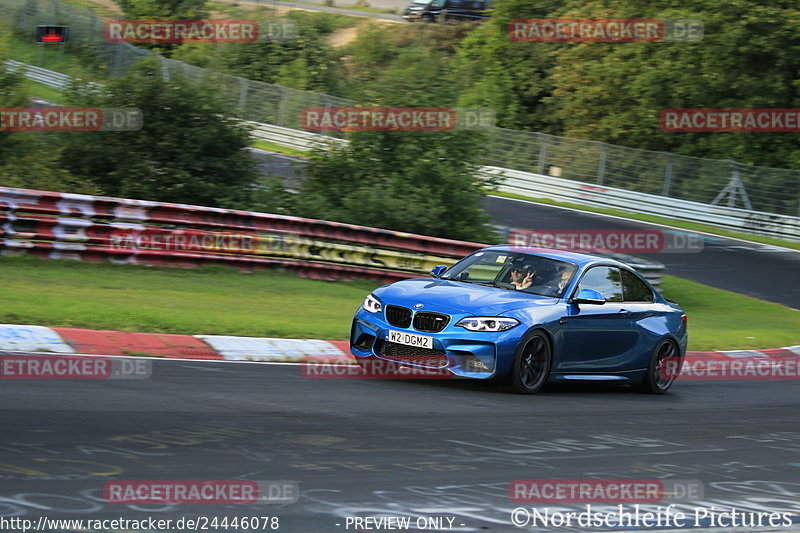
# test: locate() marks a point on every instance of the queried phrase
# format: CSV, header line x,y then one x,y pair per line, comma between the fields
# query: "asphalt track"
x,y
358,448
766,272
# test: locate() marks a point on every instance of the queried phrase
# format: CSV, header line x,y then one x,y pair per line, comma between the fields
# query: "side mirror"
x,y
589,296
438,270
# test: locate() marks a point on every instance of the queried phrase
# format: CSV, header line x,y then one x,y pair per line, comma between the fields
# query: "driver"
x,y
522,276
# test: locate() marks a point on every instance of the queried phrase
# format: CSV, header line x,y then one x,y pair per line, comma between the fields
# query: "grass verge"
x,y
279,149
211,300
222,301
43,92
657,220
723,320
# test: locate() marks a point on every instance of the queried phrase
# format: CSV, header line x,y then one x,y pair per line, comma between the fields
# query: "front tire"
x,y
531,365
664,367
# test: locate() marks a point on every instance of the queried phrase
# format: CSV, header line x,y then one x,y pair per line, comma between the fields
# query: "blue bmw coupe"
x,y
524,317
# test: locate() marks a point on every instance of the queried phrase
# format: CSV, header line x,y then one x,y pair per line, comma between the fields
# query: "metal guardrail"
x,y
576,192
299,140
746,221
56,80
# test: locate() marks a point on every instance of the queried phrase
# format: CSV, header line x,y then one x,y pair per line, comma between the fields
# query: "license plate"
x,y
409,339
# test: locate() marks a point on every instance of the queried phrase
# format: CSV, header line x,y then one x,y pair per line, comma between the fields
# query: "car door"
x,y
644,312
598,337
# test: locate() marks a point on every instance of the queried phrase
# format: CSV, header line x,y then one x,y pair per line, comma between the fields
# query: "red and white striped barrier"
x,y
99,228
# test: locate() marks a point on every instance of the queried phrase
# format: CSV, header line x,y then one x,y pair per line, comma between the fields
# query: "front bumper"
x,y
463,353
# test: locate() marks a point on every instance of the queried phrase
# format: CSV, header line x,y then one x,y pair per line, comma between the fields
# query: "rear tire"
x,y
664,367
531,365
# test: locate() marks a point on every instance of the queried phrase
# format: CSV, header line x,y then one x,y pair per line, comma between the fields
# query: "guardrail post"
x,y
667,176
282,107
542,152
601,169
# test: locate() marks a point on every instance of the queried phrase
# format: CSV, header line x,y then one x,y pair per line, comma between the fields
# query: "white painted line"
x,y
781,248
743,353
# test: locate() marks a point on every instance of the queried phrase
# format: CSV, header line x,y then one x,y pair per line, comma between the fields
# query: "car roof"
x,y
577,258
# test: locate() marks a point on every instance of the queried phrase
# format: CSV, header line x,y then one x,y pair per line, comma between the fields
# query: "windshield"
x,y
514,271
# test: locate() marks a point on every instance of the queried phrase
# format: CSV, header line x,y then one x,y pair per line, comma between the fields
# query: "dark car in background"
x,y
446,10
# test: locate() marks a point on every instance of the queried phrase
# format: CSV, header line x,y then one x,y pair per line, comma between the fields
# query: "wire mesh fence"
x,y
713,181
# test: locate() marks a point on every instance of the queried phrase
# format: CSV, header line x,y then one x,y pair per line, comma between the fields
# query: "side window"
x,y
605,280
635,289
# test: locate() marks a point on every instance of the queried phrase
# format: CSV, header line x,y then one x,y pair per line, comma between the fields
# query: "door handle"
x,y
624,312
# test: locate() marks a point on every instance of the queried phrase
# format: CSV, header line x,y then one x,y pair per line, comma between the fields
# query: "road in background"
x,y
761,271
340,6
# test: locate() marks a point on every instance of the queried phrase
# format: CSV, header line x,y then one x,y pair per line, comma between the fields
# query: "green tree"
x,y
424,183
512,78
189,150
29,160
419,182
749,57
164,9
302,62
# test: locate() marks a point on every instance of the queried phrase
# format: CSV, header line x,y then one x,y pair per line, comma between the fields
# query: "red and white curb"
x,y
24,338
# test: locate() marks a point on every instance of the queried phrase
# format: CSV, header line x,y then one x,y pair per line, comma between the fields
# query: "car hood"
x,y
465,297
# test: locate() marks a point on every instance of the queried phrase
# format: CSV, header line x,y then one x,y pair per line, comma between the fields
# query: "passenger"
x,y
562,279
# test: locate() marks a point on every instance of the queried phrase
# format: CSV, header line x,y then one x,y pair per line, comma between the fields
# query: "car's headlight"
x,y
371,304
487,323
